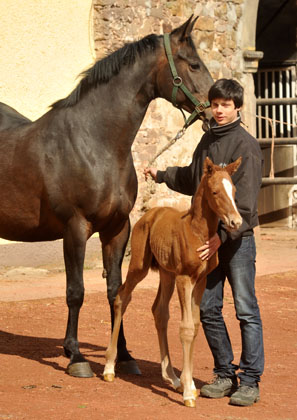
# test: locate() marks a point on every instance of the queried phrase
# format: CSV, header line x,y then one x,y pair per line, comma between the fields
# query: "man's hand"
x,y
210,247
150,171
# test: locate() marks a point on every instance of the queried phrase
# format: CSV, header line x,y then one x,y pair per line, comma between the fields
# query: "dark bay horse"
x,y
10,118
70,173
167,239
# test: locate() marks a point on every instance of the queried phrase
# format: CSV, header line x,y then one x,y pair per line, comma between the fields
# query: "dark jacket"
x,y
223,145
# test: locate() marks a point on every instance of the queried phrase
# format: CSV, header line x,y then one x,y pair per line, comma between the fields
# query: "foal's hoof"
x,y
108,377
128,366
80,370
180,389
190,403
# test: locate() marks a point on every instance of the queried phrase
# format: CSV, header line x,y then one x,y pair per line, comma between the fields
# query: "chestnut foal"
x,y
167,239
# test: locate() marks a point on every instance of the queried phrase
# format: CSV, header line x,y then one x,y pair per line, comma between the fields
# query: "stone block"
x,y
205,23
221,11
205,40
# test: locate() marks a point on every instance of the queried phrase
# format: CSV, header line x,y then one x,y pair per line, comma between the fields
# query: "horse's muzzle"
x,y
232,223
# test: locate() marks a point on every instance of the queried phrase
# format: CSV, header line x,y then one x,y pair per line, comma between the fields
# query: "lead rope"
x,y
151,184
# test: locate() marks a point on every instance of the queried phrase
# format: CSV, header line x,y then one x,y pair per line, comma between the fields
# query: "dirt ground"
x,y
33,313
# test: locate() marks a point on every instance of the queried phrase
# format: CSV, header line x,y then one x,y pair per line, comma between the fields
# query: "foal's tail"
x,y
142,257
140,247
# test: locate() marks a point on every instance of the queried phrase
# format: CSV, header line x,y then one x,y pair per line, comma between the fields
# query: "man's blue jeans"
x,y
237,263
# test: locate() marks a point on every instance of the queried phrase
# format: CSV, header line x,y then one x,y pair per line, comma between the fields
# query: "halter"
x,y
178,84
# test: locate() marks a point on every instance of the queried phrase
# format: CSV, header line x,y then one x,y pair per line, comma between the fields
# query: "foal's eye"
x,y
195,66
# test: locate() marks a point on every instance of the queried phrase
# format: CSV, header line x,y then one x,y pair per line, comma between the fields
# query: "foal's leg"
x,y
196,299
113,250
134,276
187,331
75,238
160,311
138,269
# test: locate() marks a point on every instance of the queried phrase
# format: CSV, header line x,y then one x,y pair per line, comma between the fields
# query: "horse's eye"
x,y
214,192
195,66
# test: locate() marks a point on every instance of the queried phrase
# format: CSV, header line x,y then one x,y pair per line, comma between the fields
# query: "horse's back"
x,y
162,219
25,211
10,118
167,232
46,175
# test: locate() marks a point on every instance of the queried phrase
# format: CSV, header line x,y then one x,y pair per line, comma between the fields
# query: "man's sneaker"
x,y
245,396
219,388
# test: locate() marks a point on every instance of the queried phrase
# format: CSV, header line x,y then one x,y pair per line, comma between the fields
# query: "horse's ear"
x,y
208,166
184,30
232,167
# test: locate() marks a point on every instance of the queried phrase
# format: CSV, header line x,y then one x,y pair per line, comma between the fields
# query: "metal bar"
x,y
273,96
281,108
294,108
259,108
288,108
276,101
278,141
266,93
279,181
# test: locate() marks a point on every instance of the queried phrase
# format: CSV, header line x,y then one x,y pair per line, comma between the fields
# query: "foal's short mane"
x,y
103,70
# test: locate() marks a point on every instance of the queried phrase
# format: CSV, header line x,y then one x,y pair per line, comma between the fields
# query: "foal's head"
x,y
220,192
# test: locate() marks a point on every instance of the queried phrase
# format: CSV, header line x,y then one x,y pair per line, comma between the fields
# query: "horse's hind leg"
x,y
75,237
160,311
134,276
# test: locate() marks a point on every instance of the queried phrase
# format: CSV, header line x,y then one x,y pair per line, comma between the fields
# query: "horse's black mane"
x,y
103,70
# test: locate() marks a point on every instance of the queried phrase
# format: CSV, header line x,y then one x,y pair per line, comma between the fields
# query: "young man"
x,y
224,143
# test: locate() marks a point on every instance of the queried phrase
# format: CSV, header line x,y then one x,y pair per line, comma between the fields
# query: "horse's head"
x,y
220,192
185,80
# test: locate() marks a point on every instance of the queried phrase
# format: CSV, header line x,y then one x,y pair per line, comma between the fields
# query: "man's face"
x,y
224,111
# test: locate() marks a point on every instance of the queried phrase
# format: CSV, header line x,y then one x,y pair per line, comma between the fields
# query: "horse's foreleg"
x,y
160,311
187,332
74,244
120,305
196,299
113,250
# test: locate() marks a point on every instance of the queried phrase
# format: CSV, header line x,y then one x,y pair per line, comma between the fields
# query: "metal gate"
x,y
276,111
276,101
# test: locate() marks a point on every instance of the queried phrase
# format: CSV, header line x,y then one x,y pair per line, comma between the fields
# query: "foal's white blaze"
x,y
228,188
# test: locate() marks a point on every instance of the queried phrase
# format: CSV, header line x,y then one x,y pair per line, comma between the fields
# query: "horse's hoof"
x,y
80,370
190,403
108,377
180,389
128,366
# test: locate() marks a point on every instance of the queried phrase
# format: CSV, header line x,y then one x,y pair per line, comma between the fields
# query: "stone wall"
x,y
217,35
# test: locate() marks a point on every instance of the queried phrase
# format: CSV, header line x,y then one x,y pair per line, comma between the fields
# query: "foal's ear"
x,y
184,30
208,167
232,167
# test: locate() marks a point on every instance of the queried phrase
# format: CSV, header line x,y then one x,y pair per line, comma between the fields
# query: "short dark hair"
x,y
227,89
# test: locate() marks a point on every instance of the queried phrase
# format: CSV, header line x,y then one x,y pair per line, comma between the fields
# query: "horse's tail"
x,y
141,254
140,248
